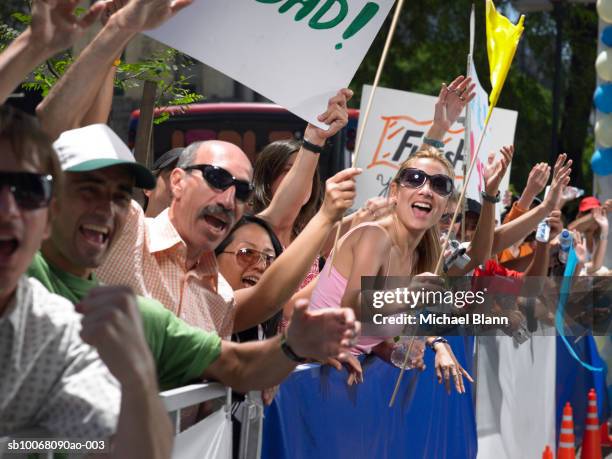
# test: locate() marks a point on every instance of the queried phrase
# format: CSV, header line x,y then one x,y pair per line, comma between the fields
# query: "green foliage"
x,y
165,68
431,46
161,68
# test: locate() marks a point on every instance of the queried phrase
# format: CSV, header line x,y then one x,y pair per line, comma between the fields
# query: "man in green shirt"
x,y
181,352
89,212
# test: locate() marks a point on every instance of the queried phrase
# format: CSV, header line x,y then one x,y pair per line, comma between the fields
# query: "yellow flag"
x,y
502,39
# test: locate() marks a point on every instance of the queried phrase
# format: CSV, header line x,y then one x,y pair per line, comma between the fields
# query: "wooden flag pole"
x,y
441,258
381,64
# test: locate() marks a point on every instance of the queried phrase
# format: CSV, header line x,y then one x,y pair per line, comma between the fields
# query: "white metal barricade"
x,y
209,438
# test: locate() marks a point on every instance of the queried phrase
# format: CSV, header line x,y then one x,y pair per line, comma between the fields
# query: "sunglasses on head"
x,y
249,257
219,178
31,191
416,178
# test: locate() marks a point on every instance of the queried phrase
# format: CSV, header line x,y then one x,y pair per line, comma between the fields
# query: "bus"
x,y
251,126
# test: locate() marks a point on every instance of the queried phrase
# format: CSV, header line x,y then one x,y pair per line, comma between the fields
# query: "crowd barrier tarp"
x,y
316,415
209,438
574,382
516,396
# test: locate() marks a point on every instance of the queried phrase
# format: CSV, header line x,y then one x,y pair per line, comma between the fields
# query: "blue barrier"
x,y
574,382
316,415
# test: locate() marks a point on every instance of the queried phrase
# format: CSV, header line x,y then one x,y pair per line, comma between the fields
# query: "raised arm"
x,y
451,102
509,233
537,180
260,302
54,28
480,249
81,84
601,218
261,364
101,105
541,258
296,186
100,109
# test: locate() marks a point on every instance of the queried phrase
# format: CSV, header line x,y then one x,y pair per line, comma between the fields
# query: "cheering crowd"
x,y
227,273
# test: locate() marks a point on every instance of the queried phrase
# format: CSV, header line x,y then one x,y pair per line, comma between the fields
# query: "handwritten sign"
x,y
398,122
297,53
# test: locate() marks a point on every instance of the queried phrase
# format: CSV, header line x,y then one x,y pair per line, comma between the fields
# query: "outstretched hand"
x,y
537,180
452,100
139,15
448,366
322,333
494,171
561,177
55,26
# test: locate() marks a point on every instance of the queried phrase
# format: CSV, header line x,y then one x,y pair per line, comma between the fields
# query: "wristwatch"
x,y
487,197
439,339
290,353
312,147
433,142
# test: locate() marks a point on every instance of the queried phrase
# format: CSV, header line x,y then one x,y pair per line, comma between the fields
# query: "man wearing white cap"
x,y
89,214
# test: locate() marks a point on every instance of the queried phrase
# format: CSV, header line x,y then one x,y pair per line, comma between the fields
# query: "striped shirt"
x,y
150,257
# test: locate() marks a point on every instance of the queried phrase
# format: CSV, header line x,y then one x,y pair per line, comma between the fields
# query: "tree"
x,y
165,67
431,46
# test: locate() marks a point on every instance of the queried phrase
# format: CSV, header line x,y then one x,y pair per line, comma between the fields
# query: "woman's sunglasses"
x,y
31,191
416,178
447,217
249,257
219,178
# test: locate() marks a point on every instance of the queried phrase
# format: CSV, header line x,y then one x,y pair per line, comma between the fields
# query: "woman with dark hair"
x,y
272,166
243,256
288,188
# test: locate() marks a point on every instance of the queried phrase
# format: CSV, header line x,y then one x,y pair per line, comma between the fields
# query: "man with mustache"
x,y
89,215
171,258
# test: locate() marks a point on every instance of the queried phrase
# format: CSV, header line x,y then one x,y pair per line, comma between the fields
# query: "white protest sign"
x,y
398,121
297,53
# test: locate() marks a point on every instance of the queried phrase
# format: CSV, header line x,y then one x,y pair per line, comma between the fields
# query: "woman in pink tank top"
x,y
405,243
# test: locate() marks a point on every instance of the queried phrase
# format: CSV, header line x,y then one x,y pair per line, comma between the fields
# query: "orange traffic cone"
x,y
567,439
591,442
606,438
547,454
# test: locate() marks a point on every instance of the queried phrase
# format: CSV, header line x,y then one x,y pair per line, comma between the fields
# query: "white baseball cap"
x,y
96,147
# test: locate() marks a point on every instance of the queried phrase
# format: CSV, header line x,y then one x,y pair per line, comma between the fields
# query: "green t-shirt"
x,y
181,352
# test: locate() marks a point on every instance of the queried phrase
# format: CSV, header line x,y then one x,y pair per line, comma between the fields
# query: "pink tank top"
x,y
331,287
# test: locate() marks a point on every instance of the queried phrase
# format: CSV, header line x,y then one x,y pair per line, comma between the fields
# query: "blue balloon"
x,y
601,161
606,36
603,98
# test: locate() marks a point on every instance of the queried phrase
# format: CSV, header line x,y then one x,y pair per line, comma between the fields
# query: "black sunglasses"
x,y
416,178
447,217
219,178
31,191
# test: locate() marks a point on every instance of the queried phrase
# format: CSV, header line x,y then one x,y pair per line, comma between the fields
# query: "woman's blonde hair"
x,y
429,248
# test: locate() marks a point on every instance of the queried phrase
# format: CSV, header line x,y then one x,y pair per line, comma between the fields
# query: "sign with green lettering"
x,y
297,53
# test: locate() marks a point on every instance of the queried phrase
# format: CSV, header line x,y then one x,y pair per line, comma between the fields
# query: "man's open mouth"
x,y
216,222
95,234
8,246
